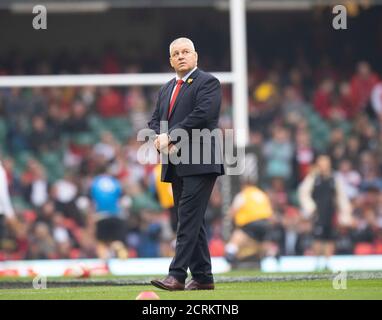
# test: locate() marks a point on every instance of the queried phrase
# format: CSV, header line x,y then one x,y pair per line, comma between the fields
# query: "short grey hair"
x,y
182,39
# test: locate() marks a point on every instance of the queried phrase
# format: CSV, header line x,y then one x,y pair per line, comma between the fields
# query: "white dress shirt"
x,y
184,79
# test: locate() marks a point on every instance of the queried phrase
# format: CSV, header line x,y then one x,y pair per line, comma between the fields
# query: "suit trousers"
x,y
191,196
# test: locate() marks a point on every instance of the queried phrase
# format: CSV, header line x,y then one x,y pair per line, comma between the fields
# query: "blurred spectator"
x,y
32,172
46,213
290,236
14,105
254,158
321,196
278,152
293,105
110,103
366,216
305,240
353,150
42,245
105,193
337,146
107,147
296,81
303,156
351,178
39,188
110,62
265,105
78,120
139,117
61,237
16,139
149,244
65,192
40,138
35,102
345,241
12,178
278,195
365,131
345,101
362,83
323,98
55,121
369,170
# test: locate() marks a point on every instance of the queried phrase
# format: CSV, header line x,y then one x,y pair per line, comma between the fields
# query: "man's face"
x,y
183,58
324,165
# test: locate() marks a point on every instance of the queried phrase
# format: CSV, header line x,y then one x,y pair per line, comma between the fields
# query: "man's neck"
x,y
183,74
326,174
180,75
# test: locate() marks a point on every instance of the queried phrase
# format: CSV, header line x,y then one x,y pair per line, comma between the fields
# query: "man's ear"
x,y
171,62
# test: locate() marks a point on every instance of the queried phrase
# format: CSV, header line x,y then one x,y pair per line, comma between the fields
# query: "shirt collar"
x,y
187,75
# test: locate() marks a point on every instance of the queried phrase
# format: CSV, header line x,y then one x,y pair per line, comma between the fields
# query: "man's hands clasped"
x,y
163,144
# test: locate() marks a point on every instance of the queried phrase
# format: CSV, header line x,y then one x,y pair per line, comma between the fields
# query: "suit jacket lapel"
x,y
167,98
183,90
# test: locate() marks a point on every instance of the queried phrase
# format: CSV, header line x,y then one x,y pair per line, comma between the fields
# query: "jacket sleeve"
x,y
305,190
343,204
207,107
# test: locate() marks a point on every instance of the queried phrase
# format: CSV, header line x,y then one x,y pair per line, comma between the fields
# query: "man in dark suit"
x,y
189,102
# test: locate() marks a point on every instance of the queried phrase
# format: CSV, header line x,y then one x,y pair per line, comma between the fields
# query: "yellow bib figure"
x,y
250,205
164,189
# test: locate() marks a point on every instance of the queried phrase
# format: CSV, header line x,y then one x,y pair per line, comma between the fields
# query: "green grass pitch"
x,y
247,290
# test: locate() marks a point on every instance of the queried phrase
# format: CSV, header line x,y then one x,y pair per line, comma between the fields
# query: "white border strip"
x,y
121,267
312,264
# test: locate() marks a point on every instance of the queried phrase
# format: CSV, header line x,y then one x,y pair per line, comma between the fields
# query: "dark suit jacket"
x,y
197,107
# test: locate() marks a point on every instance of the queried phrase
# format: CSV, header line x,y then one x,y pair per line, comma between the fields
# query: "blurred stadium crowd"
x,y
57,142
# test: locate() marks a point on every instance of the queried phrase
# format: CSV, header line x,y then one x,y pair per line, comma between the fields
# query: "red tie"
x,y
173,99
